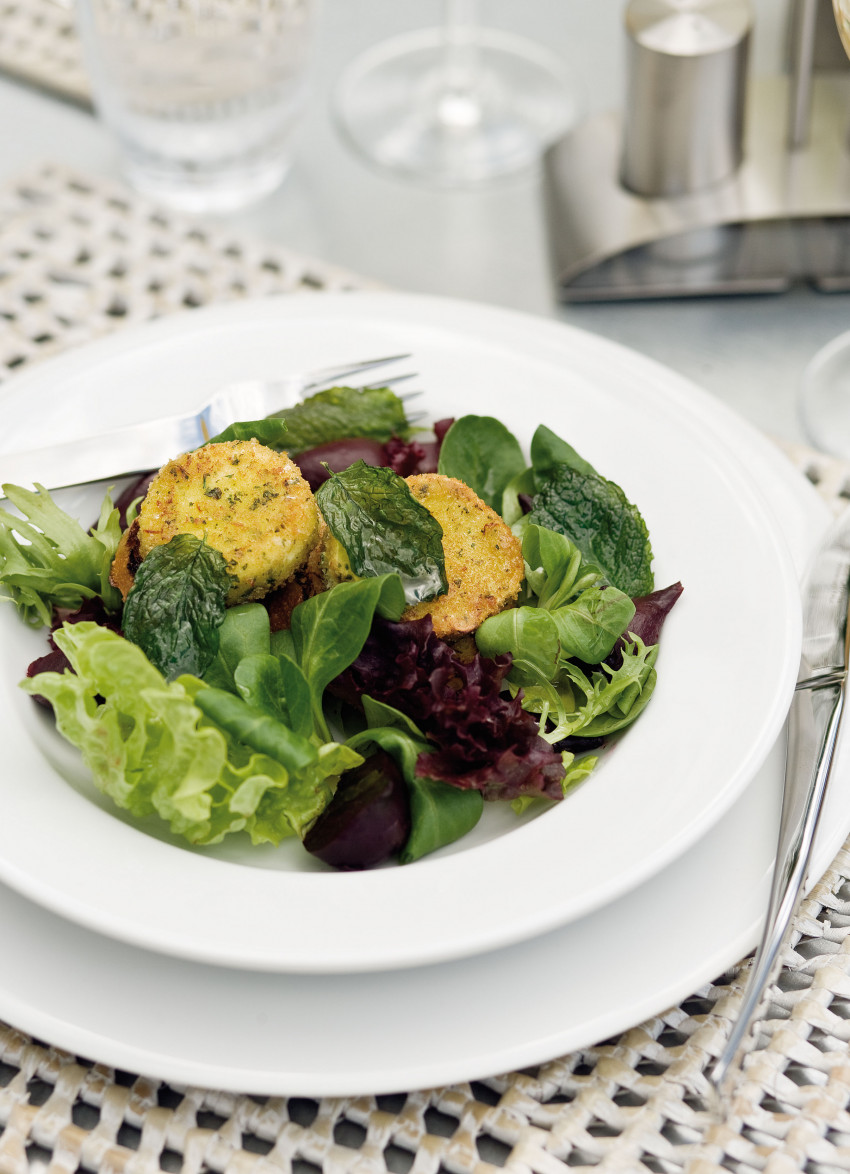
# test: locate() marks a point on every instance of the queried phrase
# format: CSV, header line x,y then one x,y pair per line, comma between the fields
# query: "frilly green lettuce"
x,y
151,749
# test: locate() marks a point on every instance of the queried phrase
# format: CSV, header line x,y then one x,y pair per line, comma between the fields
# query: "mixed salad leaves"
x,y
362,733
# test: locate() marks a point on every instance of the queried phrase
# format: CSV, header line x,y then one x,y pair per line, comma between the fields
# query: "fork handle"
x,y
813,725
120,452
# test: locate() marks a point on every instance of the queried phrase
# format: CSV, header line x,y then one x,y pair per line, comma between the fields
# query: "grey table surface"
x,y
486,244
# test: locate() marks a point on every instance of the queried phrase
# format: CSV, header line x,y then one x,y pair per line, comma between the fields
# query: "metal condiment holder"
x,y
756,199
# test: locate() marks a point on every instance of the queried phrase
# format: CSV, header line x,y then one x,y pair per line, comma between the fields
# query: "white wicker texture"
x,y
38,44
79,258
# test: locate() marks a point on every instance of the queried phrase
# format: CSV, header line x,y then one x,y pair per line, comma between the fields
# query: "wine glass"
x,y
456,105
824,401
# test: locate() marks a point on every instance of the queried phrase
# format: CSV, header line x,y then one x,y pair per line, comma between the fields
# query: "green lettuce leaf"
x,y
47,559
153,752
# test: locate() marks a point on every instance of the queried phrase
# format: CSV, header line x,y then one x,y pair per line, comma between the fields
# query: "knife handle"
x,y
813,724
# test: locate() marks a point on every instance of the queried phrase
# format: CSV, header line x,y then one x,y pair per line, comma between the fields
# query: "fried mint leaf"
x,y
176,606
384,529
596,515
376,412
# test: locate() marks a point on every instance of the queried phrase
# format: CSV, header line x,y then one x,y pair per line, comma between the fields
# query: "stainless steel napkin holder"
x,y
781,216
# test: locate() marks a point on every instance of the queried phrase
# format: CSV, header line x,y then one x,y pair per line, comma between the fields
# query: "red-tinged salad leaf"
x,y
177,604
368,819
407,457
650,613
404,457
56,661
484,739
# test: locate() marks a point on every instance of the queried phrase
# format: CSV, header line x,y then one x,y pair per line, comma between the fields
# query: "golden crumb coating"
x,y
484,564
247,501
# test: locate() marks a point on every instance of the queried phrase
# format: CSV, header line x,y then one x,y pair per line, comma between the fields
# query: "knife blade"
x,y
814,721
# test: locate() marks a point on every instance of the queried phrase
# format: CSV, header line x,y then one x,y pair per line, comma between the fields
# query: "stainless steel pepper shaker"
x,y
686,66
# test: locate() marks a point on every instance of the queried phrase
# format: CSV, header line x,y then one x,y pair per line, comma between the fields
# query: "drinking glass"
x,y
456,105
825,390
203,96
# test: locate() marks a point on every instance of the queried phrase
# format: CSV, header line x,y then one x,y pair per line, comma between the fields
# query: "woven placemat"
x,y
79,258
39,45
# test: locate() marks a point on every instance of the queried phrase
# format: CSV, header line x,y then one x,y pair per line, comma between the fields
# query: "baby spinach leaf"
x,y
597,516
276,685
338,412
384,529
548,451
484,454
245,631
271,432
251,726
591,625
329,630
176,606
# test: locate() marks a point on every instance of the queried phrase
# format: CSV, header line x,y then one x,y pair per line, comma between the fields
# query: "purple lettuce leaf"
x,y
484,739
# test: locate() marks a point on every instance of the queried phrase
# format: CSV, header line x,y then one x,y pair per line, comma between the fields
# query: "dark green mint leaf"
x,y
596,515
176,606
384,529
339,412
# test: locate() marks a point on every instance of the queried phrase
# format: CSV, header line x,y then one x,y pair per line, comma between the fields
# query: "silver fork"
x,y
139,447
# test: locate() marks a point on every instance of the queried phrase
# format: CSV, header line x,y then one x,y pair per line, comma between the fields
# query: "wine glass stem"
x,y
459,105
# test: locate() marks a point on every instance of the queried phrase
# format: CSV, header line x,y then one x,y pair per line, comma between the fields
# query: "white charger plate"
x,y
726,671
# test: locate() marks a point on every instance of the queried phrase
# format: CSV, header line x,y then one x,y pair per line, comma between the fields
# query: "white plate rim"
x,y
437,314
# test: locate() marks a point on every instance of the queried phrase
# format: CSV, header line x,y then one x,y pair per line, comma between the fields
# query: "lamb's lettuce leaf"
x,y
47,559
245,631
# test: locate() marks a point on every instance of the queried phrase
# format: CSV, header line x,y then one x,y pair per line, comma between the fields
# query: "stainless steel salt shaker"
x,y
685,96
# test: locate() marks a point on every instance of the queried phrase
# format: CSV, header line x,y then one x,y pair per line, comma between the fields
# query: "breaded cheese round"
x,y
484,565
245,500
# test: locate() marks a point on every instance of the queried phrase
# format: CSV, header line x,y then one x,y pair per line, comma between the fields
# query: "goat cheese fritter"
x,y
483,557
484,565
245,500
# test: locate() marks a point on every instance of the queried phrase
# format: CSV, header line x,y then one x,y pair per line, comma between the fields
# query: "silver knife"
x,y
813,724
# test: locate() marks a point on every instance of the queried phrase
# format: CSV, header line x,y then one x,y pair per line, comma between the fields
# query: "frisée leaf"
x,y
47,559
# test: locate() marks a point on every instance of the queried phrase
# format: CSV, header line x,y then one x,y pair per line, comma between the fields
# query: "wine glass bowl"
x,y
454,106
